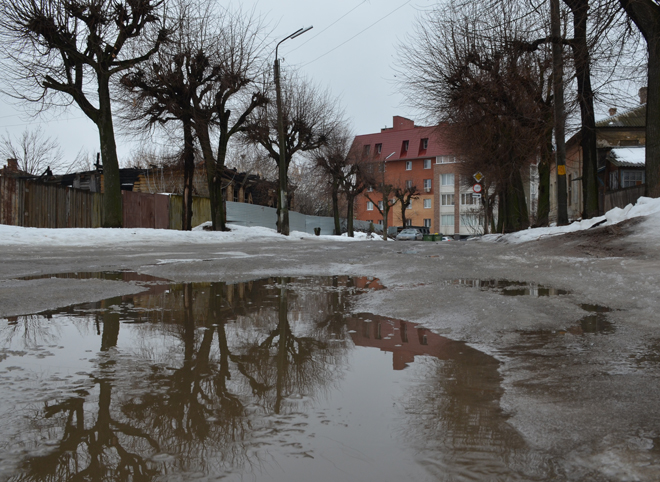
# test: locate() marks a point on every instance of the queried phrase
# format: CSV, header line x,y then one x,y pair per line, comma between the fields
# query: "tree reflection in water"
x,y
185,396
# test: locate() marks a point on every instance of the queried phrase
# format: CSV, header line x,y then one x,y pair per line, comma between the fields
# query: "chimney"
x,y
12,165
401,123
643,92
612,111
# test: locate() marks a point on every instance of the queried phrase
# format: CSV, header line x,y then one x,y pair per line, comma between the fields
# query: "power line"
x,y
357,34
333,23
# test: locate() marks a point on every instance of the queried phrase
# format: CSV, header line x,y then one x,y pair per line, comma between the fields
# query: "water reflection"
x,y
215,380
508,287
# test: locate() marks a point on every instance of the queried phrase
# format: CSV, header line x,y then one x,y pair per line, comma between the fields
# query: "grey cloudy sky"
x,y
351,50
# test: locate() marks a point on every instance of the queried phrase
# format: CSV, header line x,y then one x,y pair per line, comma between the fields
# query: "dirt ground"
x,y
581,370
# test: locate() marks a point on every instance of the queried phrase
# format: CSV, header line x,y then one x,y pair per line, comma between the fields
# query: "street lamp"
x,y
282,207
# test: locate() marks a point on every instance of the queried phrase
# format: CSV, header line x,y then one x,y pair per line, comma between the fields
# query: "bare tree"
x,y
490,91
405,193
68,50
199,80
34,151
381,193
310,117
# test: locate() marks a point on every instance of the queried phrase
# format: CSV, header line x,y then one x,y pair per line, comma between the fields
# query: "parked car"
x,y
410,234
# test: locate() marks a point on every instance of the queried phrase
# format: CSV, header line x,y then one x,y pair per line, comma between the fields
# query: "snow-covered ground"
x,y
645,207
15,235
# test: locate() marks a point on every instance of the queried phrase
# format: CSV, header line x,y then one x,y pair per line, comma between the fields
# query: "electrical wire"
x,y
357,34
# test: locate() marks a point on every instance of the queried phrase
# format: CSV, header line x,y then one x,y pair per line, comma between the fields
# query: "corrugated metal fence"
x,y
34,204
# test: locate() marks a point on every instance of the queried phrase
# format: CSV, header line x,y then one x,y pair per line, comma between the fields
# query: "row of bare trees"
x,y
486,73
190,67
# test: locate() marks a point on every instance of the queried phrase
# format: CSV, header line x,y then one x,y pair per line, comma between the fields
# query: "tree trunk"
x,y
350,201
543,208
646,15
580,9
513,213
213,178
559,112
188,176
335,205
112,202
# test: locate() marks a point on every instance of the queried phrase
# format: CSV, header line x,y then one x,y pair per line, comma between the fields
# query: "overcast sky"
x,y
351,50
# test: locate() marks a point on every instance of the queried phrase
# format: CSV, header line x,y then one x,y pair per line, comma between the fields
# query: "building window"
x,y
408,222
445,159
447,200
425,144
370,189
427,223
632,178
447,179
468,199
379,148
370,206
408,184
380,205
409,205
427,163
447,220
427,204
427,185
367,150
380,221
404,146
473,220
408,165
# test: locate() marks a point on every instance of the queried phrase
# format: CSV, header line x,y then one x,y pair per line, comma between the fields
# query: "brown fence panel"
x,y
201,210
12,194
161,211
622,197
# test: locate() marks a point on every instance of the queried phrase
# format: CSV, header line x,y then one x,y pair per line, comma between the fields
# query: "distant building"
x,y
419,156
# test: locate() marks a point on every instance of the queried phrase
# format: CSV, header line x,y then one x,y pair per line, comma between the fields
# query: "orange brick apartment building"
x,y
418,156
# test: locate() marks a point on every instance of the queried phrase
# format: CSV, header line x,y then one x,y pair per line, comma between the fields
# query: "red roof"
x,y
392,141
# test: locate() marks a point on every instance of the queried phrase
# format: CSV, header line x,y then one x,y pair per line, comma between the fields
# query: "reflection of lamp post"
x,y
282,207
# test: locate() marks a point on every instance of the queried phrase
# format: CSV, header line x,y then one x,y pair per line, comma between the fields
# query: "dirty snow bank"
x,y
645,207
16,235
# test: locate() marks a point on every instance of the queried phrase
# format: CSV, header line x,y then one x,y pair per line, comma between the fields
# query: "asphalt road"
x,y
580,367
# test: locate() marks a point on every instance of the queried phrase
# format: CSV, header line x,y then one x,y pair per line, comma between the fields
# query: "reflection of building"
x,y
403,339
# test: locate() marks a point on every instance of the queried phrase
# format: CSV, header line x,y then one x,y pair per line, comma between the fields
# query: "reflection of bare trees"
x,y
176,400
455,420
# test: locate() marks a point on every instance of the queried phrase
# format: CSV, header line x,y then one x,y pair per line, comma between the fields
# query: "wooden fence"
x,y
622,197
37,205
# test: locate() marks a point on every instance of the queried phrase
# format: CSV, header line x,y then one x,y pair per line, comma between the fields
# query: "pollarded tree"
x,y
68,51
490,92
381,193
405,194
204,79
310,117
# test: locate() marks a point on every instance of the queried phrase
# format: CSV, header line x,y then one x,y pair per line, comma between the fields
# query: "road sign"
x,y
478,176
476,196
477,188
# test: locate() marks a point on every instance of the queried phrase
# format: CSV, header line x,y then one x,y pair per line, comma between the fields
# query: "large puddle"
x,y
268,380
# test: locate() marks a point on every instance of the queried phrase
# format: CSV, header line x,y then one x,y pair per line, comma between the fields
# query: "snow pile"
x,y
16,235
645,207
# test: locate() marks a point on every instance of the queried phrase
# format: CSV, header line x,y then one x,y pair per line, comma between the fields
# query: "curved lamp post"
x,y
282,205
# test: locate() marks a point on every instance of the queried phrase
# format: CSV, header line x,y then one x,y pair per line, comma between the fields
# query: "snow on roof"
x,y
628,156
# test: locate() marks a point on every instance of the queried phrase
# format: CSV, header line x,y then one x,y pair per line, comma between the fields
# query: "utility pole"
x,y
283,190
558,94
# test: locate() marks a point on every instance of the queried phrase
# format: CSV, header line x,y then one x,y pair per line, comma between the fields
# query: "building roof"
x,y
635,117
627,156
392,141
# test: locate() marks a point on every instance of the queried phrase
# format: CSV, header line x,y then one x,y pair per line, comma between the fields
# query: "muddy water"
x,y
268,380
